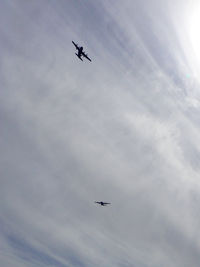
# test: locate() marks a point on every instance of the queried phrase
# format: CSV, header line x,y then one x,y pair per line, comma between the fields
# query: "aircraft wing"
x,y
86,56
106,203
75,45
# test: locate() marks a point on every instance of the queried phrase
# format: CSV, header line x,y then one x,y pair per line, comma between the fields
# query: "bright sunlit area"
x,y
189,28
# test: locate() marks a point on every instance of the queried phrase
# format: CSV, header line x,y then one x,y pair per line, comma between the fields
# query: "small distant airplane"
x,y
102,203
80,52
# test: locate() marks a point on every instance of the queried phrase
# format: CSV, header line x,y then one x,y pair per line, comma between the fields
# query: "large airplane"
x,y
102,203
80,52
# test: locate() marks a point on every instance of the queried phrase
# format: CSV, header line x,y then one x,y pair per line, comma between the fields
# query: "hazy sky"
x,y
124,128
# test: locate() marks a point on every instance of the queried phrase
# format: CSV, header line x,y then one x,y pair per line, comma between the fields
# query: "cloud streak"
x,y
123,129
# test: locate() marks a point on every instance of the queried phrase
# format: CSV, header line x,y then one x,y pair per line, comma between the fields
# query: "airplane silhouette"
x,y
80,52
102,203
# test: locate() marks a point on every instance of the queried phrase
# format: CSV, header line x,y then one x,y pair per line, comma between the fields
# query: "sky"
x,y
123,128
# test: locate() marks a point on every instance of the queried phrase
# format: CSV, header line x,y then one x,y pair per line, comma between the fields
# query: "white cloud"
x,y
123,128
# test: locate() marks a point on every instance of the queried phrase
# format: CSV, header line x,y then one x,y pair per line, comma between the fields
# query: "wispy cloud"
x,y
123,128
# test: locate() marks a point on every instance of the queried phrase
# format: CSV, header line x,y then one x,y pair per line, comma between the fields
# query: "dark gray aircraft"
x,y
80,52
102,203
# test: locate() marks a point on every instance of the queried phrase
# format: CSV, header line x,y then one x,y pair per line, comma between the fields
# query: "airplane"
x,y
102,203
80,52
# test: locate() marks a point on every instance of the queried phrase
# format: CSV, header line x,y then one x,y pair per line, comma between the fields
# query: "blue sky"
x,y
123,128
